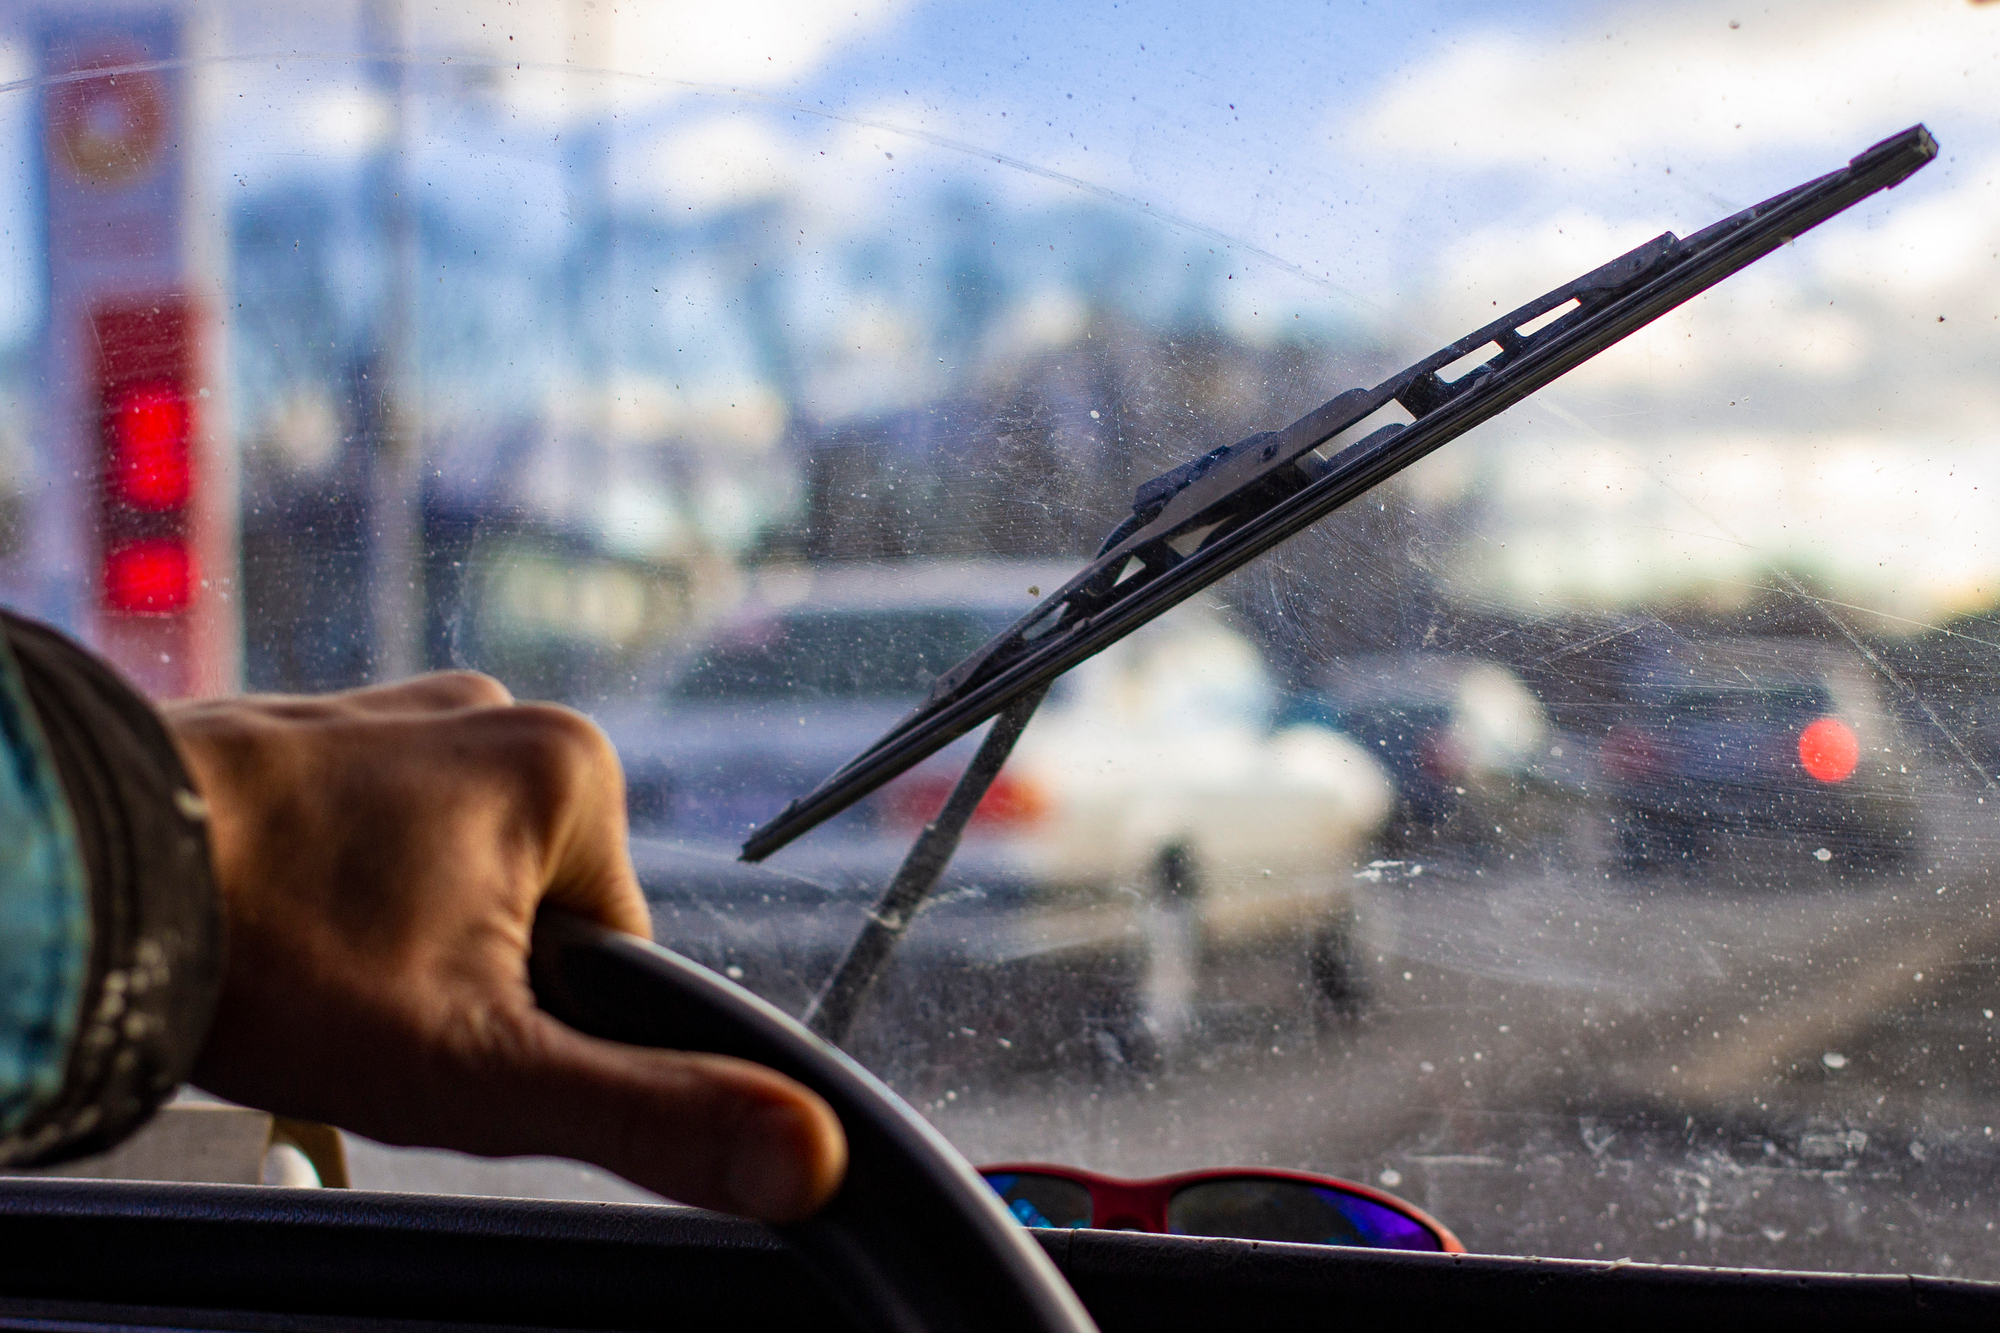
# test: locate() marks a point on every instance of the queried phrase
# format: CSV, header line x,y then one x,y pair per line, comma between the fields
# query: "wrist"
x,y
155,937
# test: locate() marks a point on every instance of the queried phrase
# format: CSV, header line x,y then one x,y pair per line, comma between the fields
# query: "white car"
x,y
1150,811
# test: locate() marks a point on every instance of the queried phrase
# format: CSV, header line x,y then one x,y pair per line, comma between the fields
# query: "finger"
x,y
420,696
434,692
603,888
705,1130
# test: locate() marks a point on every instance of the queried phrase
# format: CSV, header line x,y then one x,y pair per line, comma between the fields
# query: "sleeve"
x,y
111,942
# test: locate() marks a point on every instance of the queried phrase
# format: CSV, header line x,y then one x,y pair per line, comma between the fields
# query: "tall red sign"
x,y
145,435
134,547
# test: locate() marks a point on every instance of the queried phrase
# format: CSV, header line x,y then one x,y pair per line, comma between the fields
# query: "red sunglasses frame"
x,y
1117,1204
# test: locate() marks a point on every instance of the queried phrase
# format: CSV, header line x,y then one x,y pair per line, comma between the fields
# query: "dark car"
x,y
1784,741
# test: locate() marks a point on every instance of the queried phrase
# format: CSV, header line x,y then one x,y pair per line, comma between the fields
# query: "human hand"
x,y
381,854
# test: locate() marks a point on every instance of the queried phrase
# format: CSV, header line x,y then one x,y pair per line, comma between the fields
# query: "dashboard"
x,y
104,1255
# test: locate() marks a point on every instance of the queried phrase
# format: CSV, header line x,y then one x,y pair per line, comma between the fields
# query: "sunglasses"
x,y
1246,1204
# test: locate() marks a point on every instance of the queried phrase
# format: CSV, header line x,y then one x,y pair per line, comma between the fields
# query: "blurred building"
x,y
1042,455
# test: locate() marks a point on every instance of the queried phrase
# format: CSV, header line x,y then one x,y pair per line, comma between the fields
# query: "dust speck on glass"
x,y
1588,833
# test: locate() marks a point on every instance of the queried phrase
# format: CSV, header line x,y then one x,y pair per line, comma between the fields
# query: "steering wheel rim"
x,y
914,1241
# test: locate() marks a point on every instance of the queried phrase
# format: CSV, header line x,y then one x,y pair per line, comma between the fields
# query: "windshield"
x,y
1587,835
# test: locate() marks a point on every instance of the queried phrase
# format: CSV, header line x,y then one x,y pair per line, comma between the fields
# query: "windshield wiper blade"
x,y
1208,517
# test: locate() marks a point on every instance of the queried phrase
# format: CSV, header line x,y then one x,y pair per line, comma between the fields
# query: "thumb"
x,y
707,1130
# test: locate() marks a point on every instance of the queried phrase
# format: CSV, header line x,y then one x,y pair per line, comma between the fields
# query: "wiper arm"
x,y
1208,517
838,1001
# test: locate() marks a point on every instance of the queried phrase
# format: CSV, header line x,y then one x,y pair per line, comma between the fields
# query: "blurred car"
x,y
1463,739
1150,813
1769,737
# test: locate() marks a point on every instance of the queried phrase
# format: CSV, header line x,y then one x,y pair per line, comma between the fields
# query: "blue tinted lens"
x,y
1259,1208
1042,1201
1382,1227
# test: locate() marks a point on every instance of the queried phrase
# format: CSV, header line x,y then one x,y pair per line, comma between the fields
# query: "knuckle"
x,y
566,744
470,689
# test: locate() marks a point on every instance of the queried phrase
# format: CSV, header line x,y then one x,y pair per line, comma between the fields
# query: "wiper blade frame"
x,y
1233,504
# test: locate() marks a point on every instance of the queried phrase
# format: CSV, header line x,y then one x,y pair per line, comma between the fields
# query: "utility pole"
x,y
592,303
391,411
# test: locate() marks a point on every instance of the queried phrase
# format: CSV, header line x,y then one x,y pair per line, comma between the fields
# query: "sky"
x,y
1380,173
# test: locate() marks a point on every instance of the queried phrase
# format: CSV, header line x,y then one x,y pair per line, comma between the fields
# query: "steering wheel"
x,y
914,1241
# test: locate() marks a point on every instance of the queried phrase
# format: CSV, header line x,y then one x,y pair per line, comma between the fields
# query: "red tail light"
x,y
1009,802
1829,749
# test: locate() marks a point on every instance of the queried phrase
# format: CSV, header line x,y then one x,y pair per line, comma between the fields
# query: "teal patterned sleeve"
x,y
44,912
111,931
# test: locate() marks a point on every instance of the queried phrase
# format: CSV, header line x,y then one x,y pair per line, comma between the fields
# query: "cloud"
x,y
754,44
1931,246
348,122
1656,79
1897,523
730,159
1825,409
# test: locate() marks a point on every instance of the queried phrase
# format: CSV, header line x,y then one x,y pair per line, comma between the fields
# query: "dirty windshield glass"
x,y
1588,835
892,654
